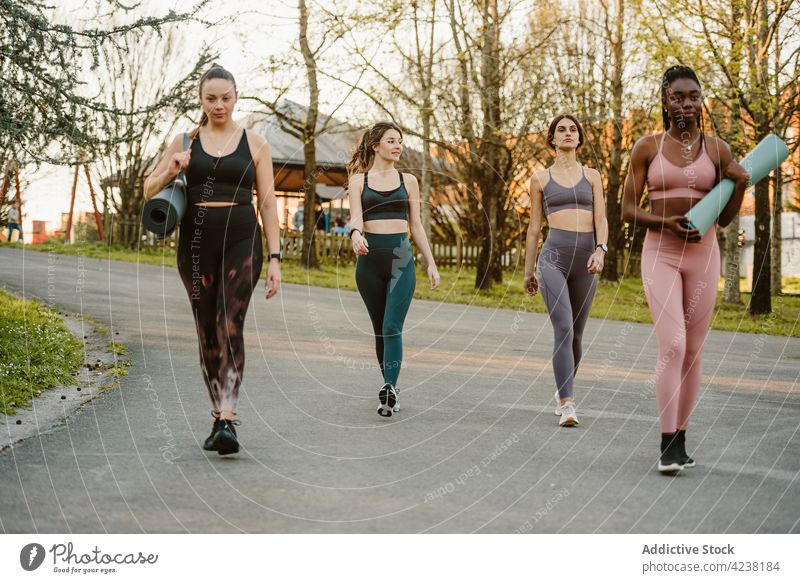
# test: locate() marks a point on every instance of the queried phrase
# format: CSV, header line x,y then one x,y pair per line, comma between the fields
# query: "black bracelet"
x,y
350,234
276,256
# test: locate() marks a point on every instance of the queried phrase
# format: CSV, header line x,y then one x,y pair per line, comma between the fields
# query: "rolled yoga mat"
x,y
765,157
162,213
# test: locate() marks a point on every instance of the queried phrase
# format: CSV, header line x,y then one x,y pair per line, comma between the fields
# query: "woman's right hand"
x,y
360,245
530,285
677,224
178,163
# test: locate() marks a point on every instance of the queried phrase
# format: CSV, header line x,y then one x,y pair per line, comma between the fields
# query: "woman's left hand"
x,y
737,173
273,281
596,261
433,276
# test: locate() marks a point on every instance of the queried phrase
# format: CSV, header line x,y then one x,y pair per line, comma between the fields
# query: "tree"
x,y
44,101
155,82
307,127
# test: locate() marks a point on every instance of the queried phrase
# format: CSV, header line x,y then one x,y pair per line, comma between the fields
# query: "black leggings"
x,y
386,280
220,254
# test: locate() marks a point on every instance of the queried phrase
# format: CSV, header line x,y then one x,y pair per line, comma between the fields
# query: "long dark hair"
x,y
672,74
364,155
216,71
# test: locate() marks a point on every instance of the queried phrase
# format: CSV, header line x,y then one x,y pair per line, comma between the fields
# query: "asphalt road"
x,y
476,447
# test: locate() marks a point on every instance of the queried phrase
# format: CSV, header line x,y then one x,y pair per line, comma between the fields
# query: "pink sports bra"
x,y
666,180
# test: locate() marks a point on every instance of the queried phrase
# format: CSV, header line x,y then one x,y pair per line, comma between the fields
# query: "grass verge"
x,y
37,352
624,301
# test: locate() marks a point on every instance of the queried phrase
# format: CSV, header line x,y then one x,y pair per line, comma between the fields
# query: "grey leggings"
x,y
568,290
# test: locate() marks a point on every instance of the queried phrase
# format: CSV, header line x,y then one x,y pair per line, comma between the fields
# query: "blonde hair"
x,y
365,154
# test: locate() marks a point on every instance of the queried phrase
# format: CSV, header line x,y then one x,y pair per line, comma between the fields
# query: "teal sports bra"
x,y
378,204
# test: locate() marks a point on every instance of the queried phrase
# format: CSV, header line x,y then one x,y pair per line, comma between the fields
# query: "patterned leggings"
x,y
219,259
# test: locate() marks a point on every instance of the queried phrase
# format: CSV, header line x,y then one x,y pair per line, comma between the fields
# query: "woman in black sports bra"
x,y
220,252
382,215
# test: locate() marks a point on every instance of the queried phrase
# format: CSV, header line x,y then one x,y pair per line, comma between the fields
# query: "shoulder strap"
x,y
185,141
583,173
365,179
661,143
401,177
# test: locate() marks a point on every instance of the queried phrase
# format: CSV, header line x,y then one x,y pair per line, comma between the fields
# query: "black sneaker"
x,y
388,398
670,461
680,437
223,440
210,442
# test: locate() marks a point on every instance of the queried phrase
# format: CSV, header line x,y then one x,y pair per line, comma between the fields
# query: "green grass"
x,y
623,301
117,348
37,352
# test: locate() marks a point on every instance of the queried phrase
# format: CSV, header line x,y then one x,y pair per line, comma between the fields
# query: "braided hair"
x,y
672,74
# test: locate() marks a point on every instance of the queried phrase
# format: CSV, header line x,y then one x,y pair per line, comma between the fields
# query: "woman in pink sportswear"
x,y
680,266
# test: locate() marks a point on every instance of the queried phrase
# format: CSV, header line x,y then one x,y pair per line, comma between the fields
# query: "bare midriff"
x,y
579,220
215,204
386,226
668,207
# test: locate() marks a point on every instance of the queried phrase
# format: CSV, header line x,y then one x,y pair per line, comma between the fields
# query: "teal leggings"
x,y
386,280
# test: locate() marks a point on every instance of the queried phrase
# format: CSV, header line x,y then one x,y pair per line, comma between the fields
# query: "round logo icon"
x,y
31,556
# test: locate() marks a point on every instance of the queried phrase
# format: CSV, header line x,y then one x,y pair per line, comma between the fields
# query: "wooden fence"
x,y
337,248
331,248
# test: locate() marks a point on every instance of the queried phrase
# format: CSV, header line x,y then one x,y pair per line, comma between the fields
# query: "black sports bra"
x,y
225,179
377,204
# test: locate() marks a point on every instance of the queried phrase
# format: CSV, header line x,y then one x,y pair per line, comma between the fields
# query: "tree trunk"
x,y
777,233
310,258
490,268
761,301
730,292
616,235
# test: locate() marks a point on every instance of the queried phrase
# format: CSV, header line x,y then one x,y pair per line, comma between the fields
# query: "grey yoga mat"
x,y
162,213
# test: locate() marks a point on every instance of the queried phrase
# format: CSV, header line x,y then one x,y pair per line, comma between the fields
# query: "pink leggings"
x,y
680,281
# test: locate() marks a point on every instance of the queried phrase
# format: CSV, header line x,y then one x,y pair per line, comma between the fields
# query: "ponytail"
x,y
364,155
216,71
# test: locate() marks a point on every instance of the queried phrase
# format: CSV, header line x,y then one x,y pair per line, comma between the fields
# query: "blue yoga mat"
x,y
765,157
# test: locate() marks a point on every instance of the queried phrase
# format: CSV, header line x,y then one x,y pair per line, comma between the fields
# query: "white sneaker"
x,y
396,407
388,399
568,416
558,410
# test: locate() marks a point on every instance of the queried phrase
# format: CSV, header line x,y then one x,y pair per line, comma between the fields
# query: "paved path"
x,y
475,449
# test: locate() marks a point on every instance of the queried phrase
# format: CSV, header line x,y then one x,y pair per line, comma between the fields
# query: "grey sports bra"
x,y
556,197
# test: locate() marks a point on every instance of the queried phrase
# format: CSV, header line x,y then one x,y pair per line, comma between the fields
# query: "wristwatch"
x,y
275,256
602,246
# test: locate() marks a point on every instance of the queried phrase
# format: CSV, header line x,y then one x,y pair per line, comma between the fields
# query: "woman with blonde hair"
x,y
384,206
220,251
